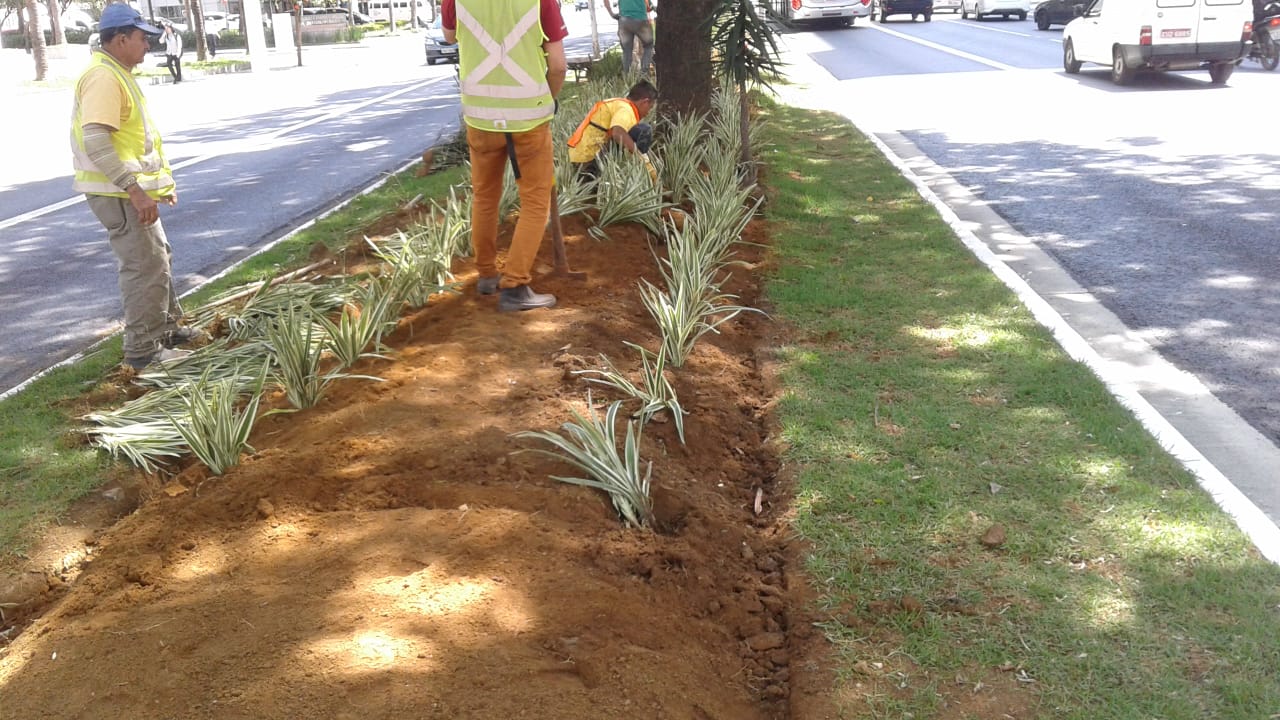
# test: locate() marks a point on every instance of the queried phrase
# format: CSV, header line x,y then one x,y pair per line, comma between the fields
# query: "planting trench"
x,y
386,554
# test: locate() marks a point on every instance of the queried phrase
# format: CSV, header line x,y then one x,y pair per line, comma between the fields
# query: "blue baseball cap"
x,y
119,15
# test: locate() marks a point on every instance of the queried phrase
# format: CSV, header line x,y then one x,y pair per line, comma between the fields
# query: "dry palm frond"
x,y
626,194
592,446
654,391
212,426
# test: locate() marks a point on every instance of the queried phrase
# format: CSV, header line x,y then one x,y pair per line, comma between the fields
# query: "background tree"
x,y
35,41
683,55
55,23
746,54
196,12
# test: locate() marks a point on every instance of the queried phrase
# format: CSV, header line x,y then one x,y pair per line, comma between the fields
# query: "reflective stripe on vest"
x,y
504,84
149,166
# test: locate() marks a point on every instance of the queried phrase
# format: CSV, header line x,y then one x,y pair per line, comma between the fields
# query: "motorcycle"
x,y
1266,37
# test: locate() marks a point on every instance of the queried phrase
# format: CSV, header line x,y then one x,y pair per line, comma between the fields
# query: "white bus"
x,y
812,11
381,10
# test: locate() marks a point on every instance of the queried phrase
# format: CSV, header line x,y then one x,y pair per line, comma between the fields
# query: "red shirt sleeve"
x,y
552,21
448,15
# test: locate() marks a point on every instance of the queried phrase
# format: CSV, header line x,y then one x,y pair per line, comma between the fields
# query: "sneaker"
x,y
487,285
183,336
522,297
164,356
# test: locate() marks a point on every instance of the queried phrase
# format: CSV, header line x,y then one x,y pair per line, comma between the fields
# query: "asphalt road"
x,y
1161,199
254,156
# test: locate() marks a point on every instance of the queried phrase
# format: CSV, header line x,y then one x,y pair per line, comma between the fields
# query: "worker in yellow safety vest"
x,y
615,123
120,167
511,67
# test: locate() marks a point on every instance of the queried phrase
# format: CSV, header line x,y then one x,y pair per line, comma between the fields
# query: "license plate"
x,y
1176,33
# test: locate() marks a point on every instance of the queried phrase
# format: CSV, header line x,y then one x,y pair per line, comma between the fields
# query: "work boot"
x,y
522,297
183,336
163,356
487,285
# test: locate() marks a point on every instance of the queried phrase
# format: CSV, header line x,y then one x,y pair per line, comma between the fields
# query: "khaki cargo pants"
x,y
146,277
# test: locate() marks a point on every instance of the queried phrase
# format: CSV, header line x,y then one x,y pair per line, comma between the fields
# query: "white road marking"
x,y
263,140
950,51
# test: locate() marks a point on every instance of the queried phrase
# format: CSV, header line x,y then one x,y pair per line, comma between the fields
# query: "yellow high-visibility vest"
x,y
136,142
501,65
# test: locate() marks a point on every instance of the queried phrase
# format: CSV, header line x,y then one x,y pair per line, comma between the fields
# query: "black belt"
x,y
511,155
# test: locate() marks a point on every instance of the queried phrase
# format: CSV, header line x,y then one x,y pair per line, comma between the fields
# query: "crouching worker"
x,y
615,123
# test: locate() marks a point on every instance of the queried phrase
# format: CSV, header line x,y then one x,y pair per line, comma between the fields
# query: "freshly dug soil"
x,y
388,553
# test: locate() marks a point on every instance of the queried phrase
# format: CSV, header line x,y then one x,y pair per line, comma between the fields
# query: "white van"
x,y
1133,35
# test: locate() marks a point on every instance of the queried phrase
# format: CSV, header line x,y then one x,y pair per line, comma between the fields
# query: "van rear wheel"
x,y
1220,71
1121,73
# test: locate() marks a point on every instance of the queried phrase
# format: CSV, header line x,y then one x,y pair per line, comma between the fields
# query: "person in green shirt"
x,y
633,23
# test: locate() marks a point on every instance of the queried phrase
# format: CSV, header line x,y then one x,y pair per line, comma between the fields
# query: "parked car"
x,y
1159,35
437,49
581,5
981,9
914,8
1058,12
946,5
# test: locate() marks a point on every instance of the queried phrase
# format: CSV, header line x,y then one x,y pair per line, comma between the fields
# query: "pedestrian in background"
x,y
511,68
120,166
634,24
172,51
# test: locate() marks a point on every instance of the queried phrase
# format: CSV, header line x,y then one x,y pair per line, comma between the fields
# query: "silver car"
x,y
1004,8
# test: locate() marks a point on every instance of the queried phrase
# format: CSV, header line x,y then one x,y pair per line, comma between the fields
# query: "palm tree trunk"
x,y
35,41
684,55
55,23
196,11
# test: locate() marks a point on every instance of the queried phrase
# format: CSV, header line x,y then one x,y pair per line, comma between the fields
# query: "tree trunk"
x,y
55,23
196,11
595,32
35,41
683,55
413,15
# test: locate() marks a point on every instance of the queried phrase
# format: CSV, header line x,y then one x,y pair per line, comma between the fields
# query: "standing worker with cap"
x,y
511,67
120,166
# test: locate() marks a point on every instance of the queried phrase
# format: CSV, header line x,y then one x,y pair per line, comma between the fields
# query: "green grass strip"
x,y
922,405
